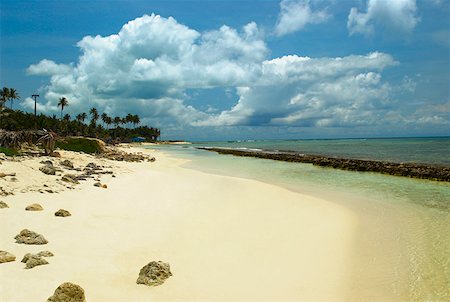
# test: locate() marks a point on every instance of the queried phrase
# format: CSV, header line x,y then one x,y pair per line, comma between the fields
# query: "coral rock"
x,y
30,237
68,292
32,260
67,163
34,207
62,213
3,205
70,178
6,257
49,170
154,273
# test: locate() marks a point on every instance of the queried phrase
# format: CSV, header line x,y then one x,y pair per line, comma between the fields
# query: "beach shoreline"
x,y
226,238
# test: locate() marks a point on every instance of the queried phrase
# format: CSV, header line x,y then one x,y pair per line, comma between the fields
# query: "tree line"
x,y
91,124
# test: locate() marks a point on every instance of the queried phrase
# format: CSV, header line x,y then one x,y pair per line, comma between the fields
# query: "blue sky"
x,y
221,70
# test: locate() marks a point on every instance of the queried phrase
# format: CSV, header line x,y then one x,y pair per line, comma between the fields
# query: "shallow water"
x,y
402,248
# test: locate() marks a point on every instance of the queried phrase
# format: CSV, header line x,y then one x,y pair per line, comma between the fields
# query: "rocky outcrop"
x,y
68,292
6,257
117,155
439,173
49,170
70,178
67,163
34,207
33,260
3,205
154,273
29,237
62,213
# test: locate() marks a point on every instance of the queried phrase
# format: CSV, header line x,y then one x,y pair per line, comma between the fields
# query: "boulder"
x,y
29,237
34,207
45,254
97,184
32,260
62,213
6,257
49,170
47,163
68,292
70,178
67,163
3,205
154,273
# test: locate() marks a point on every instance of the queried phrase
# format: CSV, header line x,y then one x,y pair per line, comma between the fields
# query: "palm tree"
x,y
109,121
117,120
63,102
4,96
129,118
136,120
13,95
94,114
104,117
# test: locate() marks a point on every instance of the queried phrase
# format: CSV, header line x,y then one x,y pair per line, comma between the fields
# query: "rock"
x,y
47,163
29,237
55,154
97,184
152,159
45,254
62,213
3,205
70,178
49,170
32,260
6,257
7,174
92,166
34,207
154,273
68,292
104,186
67,163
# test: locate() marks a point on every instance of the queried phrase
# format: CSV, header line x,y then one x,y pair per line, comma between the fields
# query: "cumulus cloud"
x,y
296,14
303,91
47,68
151,62
395,15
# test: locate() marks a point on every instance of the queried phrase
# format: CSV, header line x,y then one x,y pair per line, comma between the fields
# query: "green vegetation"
x,y
94,125
8,151
80,144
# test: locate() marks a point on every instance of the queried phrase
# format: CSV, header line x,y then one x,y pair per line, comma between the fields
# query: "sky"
x,y
229,70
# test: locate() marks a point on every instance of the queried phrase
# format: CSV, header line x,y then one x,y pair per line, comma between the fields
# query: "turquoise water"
x,y
418,150
404,239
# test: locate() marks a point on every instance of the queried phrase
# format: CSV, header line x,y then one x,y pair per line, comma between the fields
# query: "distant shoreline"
x,y
413,170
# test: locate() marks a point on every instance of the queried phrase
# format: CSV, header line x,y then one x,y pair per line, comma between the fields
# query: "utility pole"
x,y
35,96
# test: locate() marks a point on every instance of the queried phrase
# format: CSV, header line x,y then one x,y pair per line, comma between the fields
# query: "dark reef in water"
x,y
432,172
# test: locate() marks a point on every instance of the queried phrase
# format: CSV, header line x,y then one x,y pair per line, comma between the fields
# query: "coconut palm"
x,y
63,102
104,118
13,95
136,120
4,96
94,116
117,120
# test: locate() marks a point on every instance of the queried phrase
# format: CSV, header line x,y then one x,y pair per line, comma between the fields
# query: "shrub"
x,y
80,144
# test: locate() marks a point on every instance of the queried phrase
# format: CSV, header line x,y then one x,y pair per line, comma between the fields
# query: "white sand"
x,y
226,239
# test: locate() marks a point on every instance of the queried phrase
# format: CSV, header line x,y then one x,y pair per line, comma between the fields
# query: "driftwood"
x,y
14,139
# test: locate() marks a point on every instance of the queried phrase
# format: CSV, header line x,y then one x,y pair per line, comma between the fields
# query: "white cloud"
x,y
47,68
151,62
296,14
302,91
394,15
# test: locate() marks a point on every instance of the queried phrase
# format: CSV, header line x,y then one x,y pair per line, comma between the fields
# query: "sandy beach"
x,y
225,238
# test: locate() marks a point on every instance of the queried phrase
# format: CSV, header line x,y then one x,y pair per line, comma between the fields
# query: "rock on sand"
x,y
154,273
29,237
68,292
6,257
62,213
34,207
3,205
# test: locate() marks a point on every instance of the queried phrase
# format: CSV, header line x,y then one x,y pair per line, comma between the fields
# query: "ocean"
x,y
404,222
